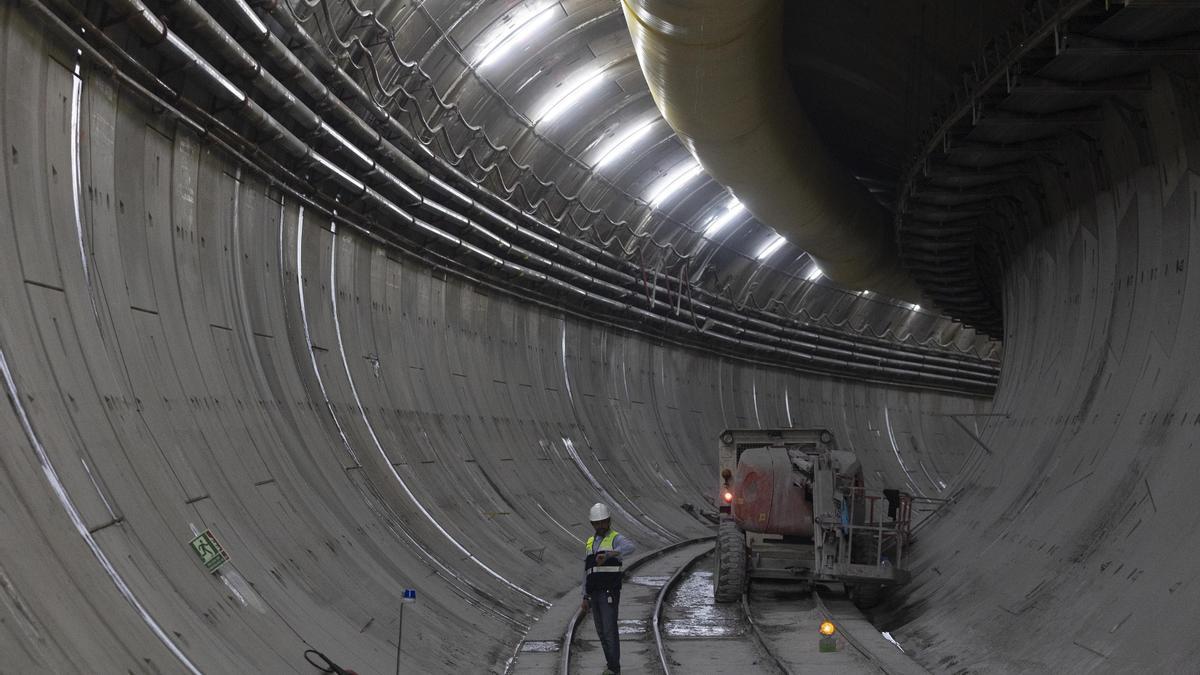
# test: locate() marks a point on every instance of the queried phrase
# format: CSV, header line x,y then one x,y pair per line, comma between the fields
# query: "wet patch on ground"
x,y
632,627
648,581
692,612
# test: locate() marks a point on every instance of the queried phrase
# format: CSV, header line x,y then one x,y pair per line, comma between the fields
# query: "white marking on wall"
x,y
560,525
379,446
605,494
308,336
68,505
566,373
95,484
754,397
321,385
77,182
887,420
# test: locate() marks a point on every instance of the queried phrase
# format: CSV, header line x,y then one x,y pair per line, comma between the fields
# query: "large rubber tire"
x,y
866,596
730,578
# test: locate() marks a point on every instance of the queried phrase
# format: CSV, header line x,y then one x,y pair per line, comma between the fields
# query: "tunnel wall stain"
x,y
184,349
1074,546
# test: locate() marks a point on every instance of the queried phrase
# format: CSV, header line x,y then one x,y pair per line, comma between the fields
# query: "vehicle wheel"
x,y
730,578
866,596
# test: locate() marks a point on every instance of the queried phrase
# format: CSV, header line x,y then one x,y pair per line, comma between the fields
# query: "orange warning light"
x,y
728,496
827,628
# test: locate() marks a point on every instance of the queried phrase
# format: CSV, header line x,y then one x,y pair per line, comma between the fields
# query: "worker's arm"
x,y
624,545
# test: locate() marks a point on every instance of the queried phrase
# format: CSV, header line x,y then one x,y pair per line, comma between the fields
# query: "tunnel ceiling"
x,y
870,74
969,197
516,143
879,80
559,84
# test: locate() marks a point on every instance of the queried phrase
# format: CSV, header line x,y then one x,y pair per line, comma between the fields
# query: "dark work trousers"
x,y
604,614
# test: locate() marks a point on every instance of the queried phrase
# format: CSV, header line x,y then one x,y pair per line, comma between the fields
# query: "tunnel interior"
x,y
383,295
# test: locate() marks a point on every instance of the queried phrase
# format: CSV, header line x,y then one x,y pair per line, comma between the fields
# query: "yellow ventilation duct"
x,y
715,68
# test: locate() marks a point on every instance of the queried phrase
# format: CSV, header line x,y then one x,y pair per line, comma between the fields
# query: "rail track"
x,y
865,639
656,558
773,630
741,648
645,605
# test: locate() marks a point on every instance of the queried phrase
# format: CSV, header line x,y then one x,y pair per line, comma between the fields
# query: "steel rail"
x,y
656,620
853,641
564,663
761,639
656,617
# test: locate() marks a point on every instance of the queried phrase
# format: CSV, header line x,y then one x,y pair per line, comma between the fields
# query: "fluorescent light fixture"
x,y
770,247
673,182
567,96
814,273
513,31
625,142
733,209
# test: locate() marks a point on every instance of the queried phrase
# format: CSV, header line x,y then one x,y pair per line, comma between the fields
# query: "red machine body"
x,y
767,498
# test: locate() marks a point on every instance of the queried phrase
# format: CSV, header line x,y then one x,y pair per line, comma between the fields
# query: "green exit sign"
x,y
212,554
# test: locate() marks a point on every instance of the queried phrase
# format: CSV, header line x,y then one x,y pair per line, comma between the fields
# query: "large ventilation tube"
x,y
715,68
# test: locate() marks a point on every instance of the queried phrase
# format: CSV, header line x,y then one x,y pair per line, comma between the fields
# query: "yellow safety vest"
x,y
608,575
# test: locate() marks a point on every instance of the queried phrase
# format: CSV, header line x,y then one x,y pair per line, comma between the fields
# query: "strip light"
x,y
770,247
814,273
514,30
626,142
674,182
733,209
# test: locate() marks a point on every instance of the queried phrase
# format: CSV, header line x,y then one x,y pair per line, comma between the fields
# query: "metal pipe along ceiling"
x,y
715,69
561,271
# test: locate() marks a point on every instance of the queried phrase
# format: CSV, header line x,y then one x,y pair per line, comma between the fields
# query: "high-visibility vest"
x,y
606,577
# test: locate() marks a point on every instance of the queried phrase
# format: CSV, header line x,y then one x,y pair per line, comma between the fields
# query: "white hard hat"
x,y
599,512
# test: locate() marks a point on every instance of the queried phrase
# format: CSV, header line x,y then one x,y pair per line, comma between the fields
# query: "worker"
x,y
602,572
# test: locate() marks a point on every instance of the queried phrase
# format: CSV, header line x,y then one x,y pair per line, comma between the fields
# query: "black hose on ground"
x,y
329,667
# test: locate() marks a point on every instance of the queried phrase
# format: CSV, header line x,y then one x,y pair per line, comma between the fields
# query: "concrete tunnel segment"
x,y
173,361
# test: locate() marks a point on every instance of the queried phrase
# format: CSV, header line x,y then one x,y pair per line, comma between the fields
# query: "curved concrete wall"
x,y
1074,547
183,349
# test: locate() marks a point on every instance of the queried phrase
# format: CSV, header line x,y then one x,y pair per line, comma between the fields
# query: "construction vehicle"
x,y
794,506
